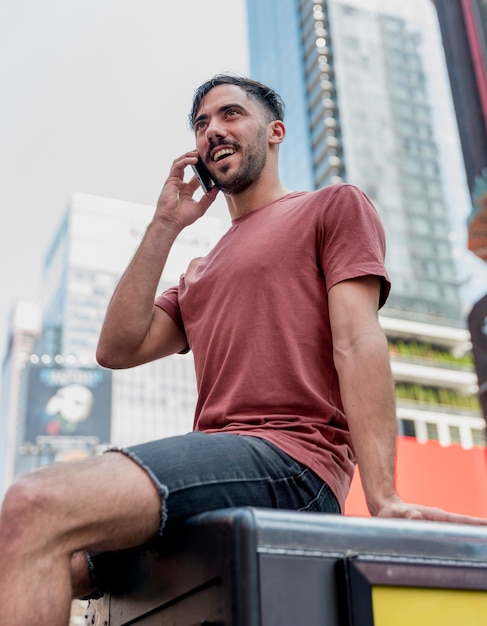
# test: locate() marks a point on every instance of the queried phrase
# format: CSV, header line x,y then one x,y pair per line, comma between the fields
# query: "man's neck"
x,y
255,197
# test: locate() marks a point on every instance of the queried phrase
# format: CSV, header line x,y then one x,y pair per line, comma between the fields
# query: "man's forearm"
x,y
130,311
133,331
367,391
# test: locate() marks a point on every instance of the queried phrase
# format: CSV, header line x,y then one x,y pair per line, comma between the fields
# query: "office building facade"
x,y
87,256
367,104
355,77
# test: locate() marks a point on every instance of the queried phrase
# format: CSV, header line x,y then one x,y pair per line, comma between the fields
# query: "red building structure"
x,y
449,477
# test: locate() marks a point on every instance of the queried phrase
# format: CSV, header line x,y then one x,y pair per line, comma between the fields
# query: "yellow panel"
x,y
406,606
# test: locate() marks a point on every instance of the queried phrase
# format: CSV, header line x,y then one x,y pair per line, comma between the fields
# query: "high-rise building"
x,y
362,107
89,252
368,103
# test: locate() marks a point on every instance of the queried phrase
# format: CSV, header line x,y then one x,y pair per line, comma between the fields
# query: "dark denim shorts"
x,y
201,472
198,472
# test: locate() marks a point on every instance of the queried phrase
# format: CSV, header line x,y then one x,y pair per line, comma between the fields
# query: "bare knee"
x,y
17,503
92,504
24,508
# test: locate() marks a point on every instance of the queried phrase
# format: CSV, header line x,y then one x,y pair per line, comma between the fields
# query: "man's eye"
x,y
200,125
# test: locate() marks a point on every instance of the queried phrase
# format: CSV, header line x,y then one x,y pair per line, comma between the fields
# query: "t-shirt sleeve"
x,y
168,301
353,240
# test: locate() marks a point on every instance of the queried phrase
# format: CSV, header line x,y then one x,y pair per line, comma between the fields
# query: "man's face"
x,y
231,137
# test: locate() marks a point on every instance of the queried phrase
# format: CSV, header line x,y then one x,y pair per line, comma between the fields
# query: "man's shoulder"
x,y
328,191
341,192
341,189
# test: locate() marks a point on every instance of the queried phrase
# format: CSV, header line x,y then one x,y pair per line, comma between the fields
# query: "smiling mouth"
x,y
223,153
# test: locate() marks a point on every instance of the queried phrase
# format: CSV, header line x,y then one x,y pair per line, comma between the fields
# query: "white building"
x,y
87,256
92,248
24,329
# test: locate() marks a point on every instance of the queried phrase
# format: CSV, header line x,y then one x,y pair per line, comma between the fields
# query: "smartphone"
x,y
203,175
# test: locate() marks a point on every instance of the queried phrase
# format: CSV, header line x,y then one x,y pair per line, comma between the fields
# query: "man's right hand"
x,y
176,207
135,330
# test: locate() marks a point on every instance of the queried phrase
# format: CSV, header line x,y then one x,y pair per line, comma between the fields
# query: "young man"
x,y
292,368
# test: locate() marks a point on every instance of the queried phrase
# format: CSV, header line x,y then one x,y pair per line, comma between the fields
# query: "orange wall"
x,y
450,477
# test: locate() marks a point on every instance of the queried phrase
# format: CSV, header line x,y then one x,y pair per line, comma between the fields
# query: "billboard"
x,y
69,402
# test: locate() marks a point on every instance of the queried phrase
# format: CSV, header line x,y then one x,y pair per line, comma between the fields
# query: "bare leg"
x,y
103,503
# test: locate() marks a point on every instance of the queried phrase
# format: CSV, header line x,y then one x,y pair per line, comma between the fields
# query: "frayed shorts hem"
x,y
161,488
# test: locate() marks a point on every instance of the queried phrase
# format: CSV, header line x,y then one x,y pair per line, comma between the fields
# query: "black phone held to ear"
x,y
203,175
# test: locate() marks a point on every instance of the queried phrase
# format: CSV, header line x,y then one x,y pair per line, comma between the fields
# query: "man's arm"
x,y
362,361
135,330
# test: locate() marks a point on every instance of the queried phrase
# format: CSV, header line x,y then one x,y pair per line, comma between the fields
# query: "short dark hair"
x,y
270,100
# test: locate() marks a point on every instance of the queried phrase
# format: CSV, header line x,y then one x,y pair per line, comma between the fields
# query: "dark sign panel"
x,y
73,402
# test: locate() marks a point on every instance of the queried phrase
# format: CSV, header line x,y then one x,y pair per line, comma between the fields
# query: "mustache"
x,y
219,144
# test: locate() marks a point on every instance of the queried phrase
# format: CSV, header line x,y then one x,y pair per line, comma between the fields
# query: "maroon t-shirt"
x,y
255,314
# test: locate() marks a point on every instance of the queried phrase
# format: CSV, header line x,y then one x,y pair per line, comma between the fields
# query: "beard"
x,y
249,170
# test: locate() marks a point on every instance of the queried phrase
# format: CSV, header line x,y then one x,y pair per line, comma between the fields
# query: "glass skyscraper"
x,y
363,107
368,103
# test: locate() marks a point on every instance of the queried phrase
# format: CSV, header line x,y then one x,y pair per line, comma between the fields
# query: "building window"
x,y
432,431
408,428
478,437
454,434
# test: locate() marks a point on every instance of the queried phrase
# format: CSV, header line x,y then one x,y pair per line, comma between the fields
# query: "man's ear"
x,y
277,132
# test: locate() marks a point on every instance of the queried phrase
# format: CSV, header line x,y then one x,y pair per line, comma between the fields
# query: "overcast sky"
x,y
94,98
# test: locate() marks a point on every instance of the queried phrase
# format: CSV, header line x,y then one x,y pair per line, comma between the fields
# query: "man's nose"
x,y
214,131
